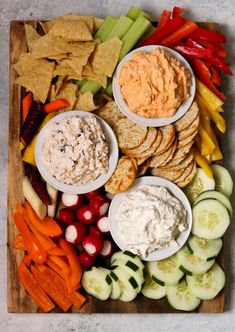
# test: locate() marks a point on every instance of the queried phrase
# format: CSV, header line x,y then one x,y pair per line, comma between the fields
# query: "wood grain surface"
x,y
18,300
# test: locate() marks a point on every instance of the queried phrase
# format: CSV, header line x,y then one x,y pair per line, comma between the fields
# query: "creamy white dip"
x,y
75,150
150,218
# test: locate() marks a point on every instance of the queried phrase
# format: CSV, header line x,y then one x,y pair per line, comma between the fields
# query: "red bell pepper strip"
x,y
163,32
55,105
203,73
177,11
215,76
193,52
75,265
164,19
212,36
192,43
220,64
33,247
34,289
26,102
216,48
179,34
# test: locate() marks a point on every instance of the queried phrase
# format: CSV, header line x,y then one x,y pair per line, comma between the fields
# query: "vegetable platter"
x,y
61,255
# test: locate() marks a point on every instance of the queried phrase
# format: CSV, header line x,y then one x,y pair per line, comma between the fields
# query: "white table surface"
x,y
219,11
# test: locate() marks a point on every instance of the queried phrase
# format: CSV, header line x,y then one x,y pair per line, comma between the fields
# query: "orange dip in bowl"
x,y
154,84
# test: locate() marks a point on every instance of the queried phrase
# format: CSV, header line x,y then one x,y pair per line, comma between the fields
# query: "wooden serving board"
x,y
18,300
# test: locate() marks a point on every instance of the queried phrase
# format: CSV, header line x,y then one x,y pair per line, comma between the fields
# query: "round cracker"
x,y
134,162
190,130
150,138
140,161
123,177
181,152
169,175
129,134
168,134
187,180
188,118
172,166
162,159
186,172
110,113
143,168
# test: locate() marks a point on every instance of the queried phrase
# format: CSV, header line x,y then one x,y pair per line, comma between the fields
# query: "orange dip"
x,y
155,84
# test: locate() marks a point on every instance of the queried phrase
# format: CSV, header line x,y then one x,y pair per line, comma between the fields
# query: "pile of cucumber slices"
x,y
190,275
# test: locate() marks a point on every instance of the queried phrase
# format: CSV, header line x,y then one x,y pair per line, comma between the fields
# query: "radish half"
x,y
76,233
103,225
99,205
93,244
108,249
72,201
85,214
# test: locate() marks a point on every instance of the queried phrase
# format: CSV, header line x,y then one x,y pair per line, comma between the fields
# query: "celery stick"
x,y
144,14
148,33
134,12
79,83
121,27
109,90
106,28
90,86
135,32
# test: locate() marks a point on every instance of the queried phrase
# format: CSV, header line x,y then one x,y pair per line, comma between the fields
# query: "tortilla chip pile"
x,y
66,52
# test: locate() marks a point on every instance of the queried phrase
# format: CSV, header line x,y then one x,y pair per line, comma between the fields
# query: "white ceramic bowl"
x,y
75,189
176,191
152,122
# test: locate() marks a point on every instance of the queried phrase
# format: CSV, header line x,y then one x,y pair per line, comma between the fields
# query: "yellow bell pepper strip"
x,y
220,110
202,162
198,142
209,145
21,146
216,154
28,155
211,99
34,289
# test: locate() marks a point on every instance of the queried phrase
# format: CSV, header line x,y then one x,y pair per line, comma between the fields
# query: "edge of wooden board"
x,y
18,300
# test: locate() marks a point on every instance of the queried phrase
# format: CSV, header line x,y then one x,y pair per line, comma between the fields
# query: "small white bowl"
x,y
90,186
153,122
176,191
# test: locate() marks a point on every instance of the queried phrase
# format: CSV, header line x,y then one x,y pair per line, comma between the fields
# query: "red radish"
x,y
103,225
84,214
66,215
93,230
76,233
72,201
93,193
108,249
99,205
93,244
86,259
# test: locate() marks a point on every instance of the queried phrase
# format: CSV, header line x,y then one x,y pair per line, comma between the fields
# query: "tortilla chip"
x,y
81,48
97,23
31,35
58,57
85,102
52,94
68,92
106,55
59,83
89,74
75,30
63,69
77,63
49,45
47,26
88,20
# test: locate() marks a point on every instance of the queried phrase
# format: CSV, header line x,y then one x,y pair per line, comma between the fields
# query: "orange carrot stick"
x,y
54,267
55,105
56,251
19,242
58,260
26,102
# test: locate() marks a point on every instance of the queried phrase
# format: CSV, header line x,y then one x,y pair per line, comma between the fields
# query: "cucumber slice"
x,y
127,255
210,219
127,283
223,180
216,195
165,271
132,269
153,290
191,264
97,282
208,285
116,289
181,298
201,182
203,248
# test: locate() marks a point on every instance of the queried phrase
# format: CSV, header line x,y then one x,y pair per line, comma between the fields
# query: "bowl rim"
x,y
176,192
90,186
153,122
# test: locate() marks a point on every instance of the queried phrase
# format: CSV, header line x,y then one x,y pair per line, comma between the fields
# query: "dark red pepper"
x,y
164,19
215,76
193,52
177,11
180,33
213,36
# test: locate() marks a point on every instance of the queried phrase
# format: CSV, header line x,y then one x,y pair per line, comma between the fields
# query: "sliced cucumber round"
x,y
223,180
165,271
129,286
116,289
132,269
216,195
191,264
181,298
97,282
208,285
203,248
210,219
201,182
153,290
127,255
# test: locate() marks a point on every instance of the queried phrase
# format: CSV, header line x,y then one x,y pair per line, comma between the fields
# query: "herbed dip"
x,y
75,150
154,84
150,218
